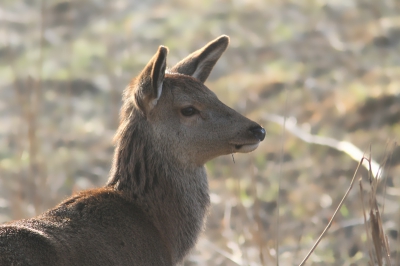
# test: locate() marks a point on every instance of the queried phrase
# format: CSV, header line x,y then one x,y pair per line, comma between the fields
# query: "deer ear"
x,y
152,77
200,63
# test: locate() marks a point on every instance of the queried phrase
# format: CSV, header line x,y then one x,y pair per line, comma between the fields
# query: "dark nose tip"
x,y
258,132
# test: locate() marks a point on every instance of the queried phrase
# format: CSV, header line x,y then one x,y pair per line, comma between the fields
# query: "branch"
x,y
350,149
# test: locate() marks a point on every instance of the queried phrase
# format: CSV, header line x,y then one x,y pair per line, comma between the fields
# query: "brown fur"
x,y
154,204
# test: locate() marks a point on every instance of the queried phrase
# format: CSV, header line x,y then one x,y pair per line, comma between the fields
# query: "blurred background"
x,y
331,67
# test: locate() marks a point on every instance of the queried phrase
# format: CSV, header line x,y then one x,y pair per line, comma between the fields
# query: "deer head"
x,y
185,118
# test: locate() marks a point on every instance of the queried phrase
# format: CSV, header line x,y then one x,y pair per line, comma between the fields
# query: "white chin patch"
x,y
247,148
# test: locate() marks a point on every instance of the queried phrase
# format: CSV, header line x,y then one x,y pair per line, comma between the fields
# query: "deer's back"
x,y
97,227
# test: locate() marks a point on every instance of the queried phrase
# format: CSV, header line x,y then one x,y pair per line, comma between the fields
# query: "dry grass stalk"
x,y
370,251
380,251
259,231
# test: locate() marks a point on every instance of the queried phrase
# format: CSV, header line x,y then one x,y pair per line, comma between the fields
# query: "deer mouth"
x,y
244,148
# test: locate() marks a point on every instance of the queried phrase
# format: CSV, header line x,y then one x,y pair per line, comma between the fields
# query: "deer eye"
x,y
188,111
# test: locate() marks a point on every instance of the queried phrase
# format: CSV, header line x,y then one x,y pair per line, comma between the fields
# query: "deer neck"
x,y
178,209
173,194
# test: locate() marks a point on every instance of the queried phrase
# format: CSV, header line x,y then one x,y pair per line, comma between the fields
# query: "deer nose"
x,y
258,132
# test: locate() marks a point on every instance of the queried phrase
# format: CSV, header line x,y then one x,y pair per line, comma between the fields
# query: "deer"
x,y
154,205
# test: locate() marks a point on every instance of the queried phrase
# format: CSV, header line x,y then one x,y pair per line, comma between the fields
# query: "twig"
x,y
334,214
